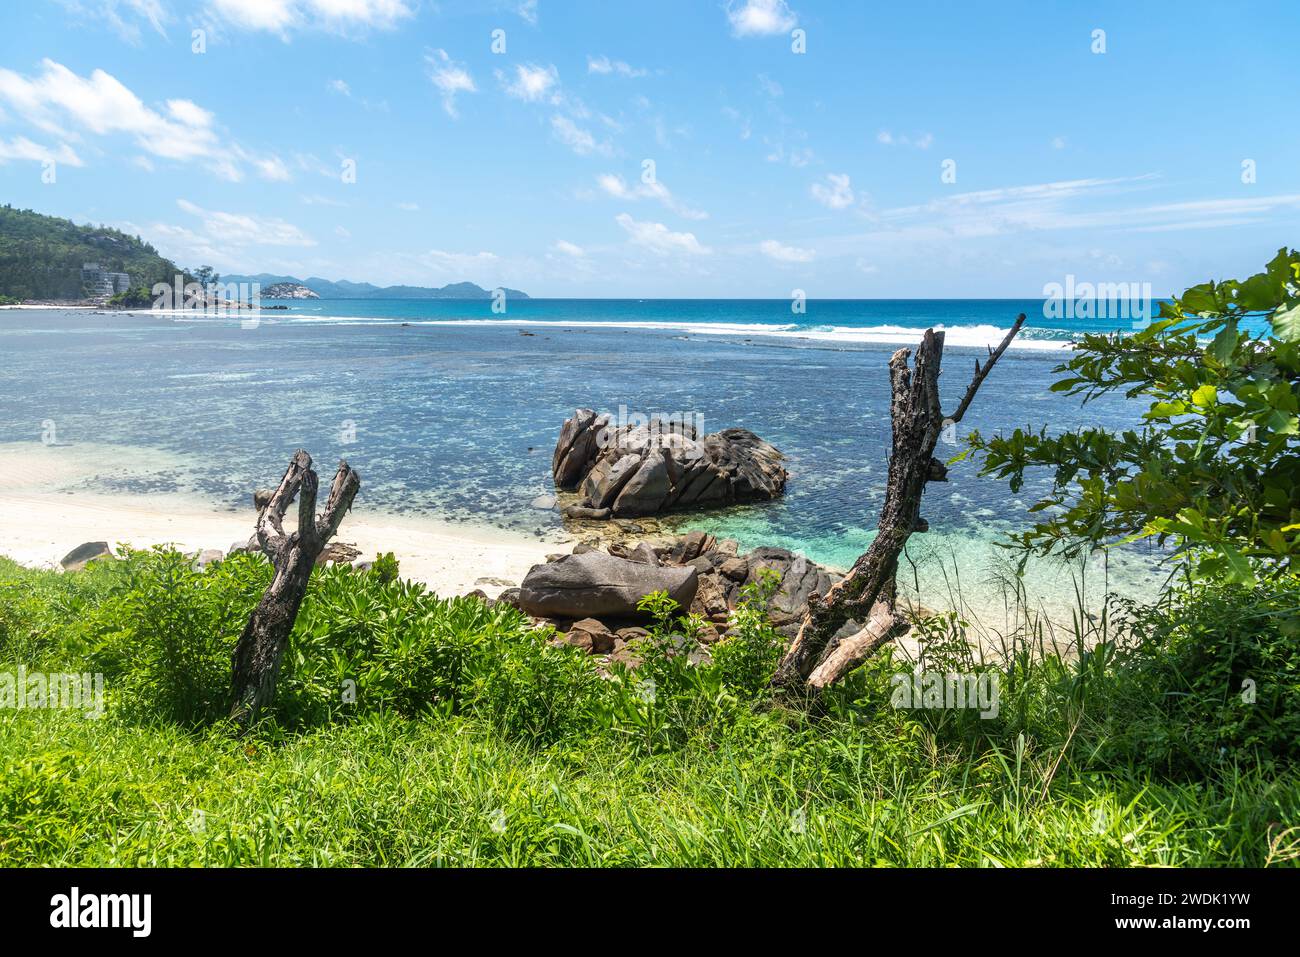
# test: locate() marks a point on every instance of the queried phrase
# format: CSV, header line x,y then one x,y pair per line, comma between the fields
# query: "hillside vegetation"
x,y
41,256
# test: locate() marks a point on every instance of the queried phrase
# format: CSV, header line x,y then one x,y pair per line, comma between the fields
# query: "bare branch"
x,y
307,507
342,490
270,527
980,373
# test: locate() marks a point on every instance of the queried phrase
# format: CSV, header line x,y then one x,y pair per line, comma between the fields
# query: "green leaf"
x,y
1200,299
1239,569
1260,293
1205,396
1166,410
1286,322
1225,343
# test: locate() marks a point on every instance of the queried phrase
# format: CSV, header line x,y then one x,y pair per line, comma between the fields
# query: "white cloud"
x,y
1058,142
922,142
576,138
336,16
769,86
760,17
272,168
273,15
121,15
614,185
532,83
569,249
189,113
786,254
21,148
449,77
340,86
1055,206
409,207
658,238
245,229
57,99
835,193
604,65
528,10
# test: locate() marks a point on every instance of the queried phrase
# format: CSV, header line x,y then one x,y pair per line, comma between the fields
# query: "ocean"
x,y
450,410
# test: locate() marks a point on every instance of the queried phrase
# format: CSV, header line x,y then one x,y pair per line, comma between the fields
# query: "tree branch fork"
x,y
821,653
255,662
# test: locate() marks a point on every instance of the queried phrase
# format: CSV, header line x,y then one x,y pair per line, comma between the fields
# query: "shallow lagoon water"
x,y
455,415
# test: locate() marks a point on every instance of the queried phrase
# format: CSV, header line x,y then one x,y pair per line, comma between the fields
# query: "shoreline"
x,y
47,512
37,529
53,506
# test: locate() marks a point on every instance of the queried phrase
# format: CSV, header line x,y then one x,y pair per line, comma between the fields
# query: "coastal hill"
x,y
41,257
342,289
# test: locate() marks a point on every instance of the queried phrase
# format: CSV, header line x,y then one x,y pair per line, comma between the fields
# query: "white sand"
x,y
45,517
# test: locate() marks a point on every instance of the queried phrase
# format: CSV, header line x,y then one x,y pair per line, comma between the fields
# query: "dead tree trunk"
x,y
255,663
817,658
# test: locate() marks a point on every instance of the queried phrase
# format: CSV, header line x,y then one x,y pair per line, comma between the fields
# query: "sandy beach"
x,y
45,516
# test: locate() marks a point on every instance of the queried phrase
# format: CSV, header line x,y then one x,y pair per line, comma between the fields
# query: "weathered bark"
x,y
817,658
255,664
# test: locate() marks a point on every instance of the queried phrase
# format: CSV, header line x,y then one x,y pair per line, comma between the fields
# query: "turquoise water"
x,y
448,410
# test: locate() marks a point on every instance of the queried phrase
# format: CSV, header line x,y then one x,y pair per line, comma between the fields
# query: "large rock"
x,y
647,469
596,585
82,555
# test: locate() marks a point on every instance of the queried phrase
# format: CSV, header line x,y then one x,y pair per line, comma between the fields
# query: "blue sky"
x,y
771,169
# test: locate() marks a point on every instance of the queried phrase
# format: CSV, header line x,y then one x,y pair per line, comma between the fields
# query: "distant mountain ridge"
x,y
342,289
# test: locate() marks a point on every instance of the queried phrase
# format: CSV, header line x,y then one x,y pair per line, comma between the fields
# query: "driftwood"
x,y
255,663
820,655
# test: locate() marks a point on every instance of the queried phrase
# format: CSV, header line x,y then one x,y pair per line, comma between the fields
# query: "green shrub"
x,y
164,634
385,567
1210,675
747,657
362,644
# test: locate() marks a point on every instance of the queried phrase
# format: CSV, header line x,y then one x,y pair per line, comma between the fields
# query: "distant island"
x,y
288,290
342,289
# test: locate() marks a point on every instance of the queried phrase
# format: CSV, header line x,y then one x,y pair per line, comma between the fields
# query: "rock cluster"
x,y
591,595
650,468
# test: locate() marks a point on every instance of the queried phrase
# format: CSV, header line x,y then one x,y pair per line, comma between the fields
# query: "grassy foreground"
x,y
415,731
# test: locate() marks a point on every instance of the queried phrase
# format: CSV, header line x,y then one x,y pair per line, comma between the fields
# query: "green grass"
x,y
452,755
392,791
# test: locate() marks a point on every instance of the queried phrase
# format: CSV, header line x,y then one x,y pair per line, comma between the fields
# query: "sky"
x,y
680,148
